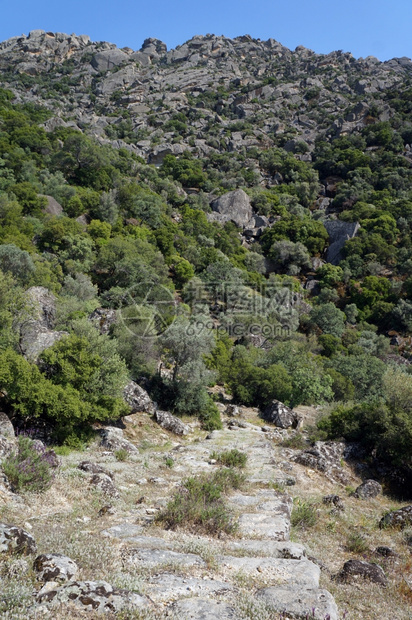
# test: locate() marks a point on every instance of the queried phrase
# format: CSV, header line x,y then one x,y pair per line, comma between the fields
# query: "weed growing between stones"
x,y
31,467
303,515
199,503
121,455
296,441
230,458
356,543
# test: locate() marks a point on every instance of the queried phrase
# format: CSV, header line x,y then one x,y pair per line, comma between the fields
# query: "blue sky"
x,y
379,28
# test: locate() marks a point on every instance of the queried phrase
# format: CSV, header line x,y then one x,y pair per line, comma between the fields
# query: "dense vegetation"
x,y
187,290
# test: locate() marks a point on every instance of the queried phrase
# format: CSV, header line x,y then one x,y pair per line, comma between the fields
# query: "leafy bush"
x,y
230,458
199,504
31,468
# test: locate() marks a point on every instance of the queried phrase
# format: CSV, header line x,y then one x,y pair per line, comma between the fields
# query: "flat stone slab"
x,y
152,557
124,531
270,548
203,609
168,587
264,525
302,573
300,602
265,501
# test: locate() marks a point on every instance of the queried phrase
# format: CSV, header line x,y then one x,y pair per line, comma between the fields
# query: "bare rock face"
x,y
397,518
325,456
55,567
232,411
137,398
6,427
171,423
52,207
233,207
112,438
339,232
108,59
96,596
7,446
15,540
103,318
369,488
37,333
355,569
280,415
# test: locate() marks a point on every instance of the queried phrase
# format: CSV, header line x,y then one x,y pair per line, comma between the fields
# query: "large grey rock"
x,y
55,567
171,423
112,438
339,232
358,569
203,609
280,415
36,334
52,207
125,531
15,540
325,456
297,602
7,447
108,59
137,398
104,483
233,207
369,488
6,427
397,518
95,596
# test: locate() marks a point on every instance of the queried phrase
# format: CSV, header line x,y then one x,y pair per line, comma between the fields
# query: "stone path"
x,y
205,582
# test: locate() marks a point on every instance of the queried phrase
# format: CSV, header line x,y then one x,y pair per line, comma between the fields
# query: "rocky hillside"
x,y
205,331
209,95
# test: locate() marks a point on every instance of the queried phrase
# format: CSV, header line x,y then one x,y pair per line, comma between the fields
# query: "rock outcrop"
x,y
137,398
280,415
15,540
55,567
232,207
171,423
37,334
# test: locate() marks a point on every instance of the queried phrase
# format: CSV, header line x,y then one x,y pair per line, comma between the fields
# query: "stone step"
x,y
296,602
269,548
299,573
168,587
262,525
203,609
154,557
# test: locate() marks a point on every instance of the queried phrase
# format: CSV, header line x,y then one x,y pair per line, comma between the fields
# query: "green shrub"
x,y
30,468
230,458
199,504
303,515
356,543
296,441
121,455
